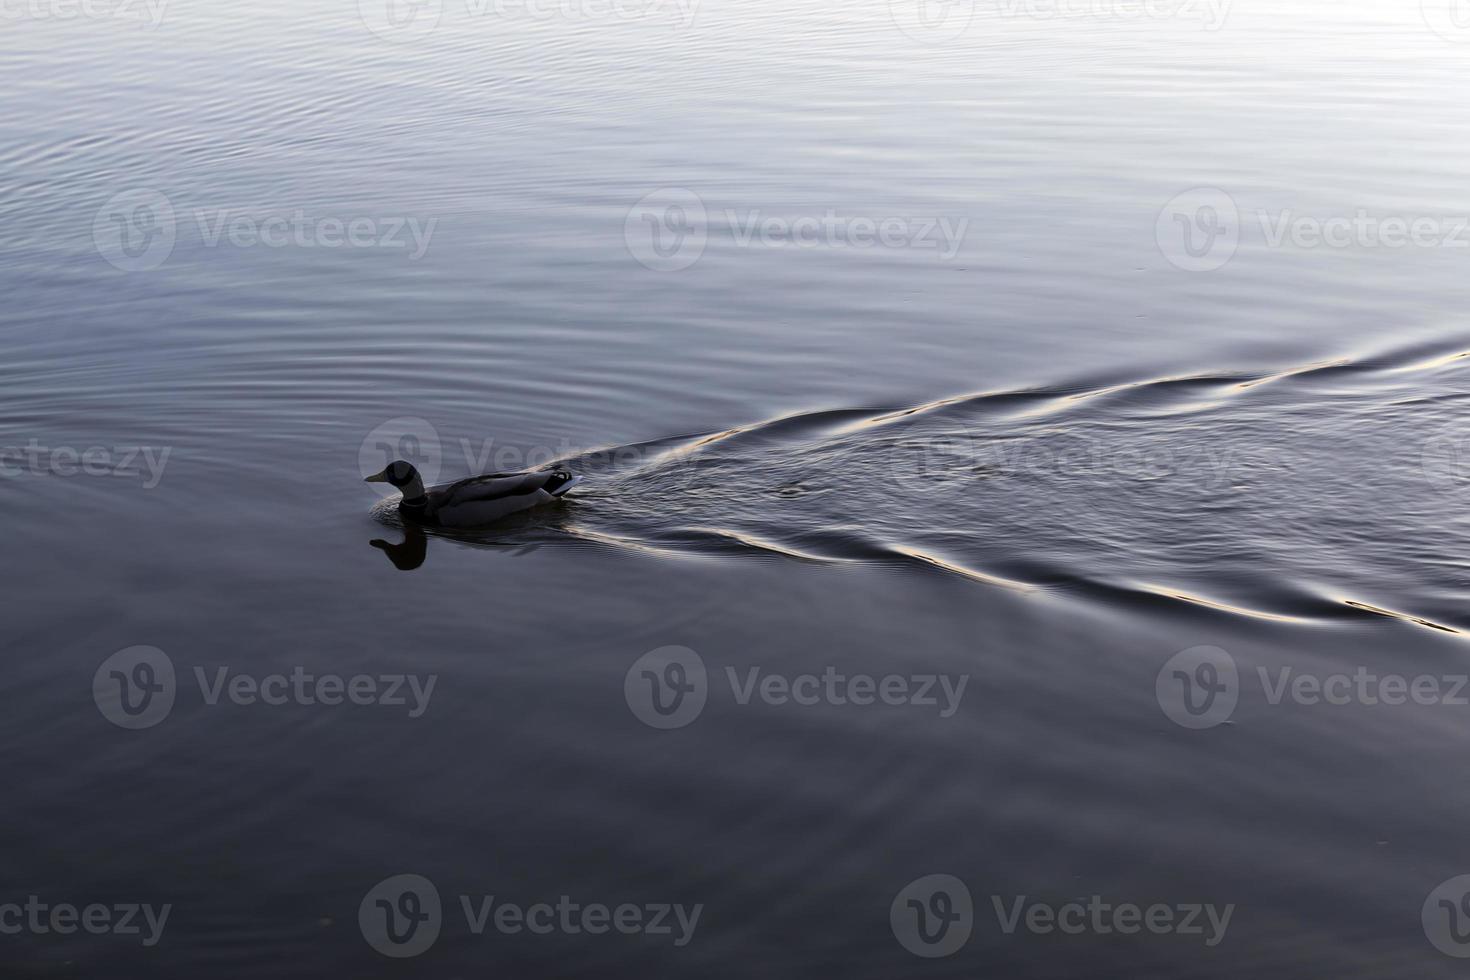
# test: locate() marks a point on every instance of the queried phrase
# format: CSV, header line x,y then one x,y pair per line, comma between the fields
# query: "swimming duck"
x,y
475,502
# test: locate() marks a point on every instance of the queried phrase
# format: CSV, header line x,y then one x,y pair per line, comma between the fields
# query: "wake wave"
x,y
1284,495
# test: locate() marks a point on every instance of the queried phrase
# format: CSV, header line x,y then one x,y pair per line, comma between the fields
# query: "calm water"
x,y
966,345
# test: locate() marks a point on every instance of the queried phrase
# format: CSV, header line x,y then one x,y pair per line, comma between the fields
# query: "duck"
x,y
474,502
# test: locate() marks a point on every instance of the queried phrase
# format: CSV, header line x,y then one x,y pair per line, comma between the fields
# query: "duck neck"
x,y
413,492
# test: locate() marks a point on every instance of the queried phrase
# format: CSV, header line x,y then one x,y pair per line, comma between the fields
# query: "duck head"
x,y
401,475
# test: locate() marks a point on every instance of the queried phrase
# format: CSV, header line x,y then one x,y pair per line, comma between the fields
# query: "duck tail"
x,y
561,481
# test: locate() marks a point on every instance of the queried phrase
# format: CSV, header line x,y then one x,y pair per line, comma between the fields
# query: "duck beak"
x,y
377,478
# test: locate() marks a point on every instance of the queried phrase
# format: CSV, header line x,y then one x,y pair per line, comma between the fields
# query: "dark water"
x,y
1035,442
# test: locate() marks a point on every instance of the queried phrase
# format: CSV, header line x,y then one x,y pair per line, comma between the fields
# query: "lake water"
x,y
1023,446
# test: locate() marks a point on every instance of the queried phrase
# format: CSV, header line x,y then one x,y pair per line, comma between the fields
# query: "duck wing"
x,y
492,486
482,499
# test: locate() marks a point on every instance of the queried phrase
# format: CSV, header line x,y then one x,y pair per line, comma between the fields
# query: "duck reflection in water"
x,y
409,554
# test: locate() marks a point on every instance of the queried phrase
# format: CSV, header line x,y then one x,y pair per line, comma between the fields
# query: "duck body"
x,y
475,502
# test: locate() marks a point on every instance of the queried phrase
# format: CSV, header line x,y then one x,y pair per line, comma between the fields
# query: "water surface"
x,y
1026,440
